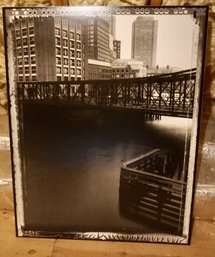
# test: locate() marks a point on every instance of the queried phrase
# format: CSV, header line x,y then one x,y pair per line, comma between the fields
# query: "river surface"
x,y
73,169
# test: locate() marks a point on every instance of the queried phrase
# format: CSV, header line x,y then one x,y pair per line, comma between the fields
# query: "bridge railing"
x,y
166,93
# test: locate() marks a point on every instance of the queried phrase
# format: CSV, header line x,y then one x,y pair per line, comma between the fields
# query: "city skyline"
x,y
180,34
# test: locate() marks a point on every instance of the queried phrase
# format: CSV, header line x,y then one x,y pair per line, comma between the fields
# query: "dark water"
x,y
73,167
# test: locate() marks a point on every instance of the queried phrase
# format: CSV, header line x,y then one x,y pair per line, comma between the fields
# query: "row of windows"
x,y
120,70
66,62
65,52
66,71
71,43
27,69
65,34
24,31
72,78
27,78
26,60
25,41
123,76
26,51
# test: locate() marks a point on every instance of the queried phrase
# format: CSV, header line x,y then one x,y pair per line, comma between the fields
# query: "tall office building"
x,y
144,40
96,48
111,20
98,39
48,49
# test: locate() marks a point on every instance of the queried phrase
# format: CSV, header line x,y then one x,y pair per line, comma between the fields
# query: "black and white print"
x,y
104,109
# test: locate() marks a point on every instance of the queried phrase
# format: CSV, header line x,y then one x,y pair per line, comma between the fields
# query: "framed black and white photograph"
x,y
104,109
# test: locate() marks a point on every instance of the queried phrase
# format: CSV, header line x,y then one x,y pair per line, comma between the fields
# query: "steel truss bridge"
x,y
169,94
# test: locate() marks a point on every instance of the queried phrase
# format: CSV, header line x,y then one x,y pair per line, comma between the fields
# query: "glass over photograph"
x,y
104,113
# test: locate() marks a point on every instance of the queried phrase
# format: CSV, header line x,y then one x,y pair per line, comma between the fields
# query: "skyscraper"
x,y
96,48
53,53
144,40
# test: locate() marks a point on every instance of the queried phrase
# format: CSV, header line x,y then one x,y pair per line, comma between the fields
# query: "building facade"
x,y
97,51
144,40
117,48
127,68
159,70
98,69
48,54
97,43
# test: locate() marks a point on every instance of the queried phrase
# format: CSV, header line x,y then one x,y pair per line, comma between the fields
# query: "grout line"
x,y
53,248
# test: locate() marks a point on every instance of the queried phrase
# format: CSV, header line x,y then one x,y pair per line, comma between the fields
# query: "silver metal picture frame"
x,y
104,107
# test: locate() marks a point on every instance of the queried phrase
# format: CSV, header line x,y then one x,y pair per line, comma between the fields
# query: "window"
x,y
27,78
72,44
58,78
24,32
72,71
57,41
57,31
27,69
58,60
79,71
32,49
32,40
65,61
65,42
31,30
72,53
78,46
19,51
20,78
72,35
65,33
58,50
65,70
65,52
25,51
79,63
18,34
18,42
34,78
72,62
33,60
26,62
25,41
33,69
20,70
78,36
19,60
78,54
58,70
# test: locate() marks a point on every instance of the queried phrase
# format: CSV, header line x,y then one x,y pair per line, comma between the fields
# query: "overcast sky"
x,y
174,41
